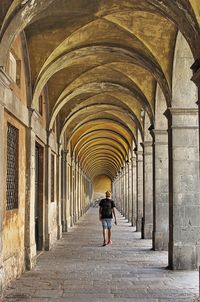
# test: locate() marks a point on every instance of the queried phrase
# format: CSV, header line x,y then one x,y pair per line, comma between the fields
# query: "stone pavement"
x,y
79,269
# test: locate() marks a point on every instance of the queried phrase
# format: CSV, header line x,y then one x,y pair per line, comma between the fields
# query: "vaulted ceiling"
x,y
101,61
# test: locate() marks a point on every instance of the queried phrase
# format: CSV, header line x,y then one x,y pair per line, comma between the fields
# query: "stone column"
x,y
126,191
47,171
116,186
119,192
139,161
130,190
71,193
114,189
133,191
118,205
148,191
184,197
122,190
64,192
160,194
59,179
79,191
30,245
76,190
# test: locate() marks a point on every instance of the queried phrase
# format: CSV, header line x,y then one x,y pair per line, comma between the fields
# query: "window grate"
x,y
12,167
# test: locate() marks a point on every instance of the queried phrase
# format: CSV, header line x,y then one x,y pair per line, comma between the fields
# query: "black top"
x,y
106,206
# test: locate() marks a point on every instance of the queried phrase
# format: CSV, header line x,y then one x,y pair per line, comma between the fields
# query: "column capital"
x,y
160,137
127,163
180,111
160,132
139,156
133,162
147,143
185,118
65,153
133,159
139,152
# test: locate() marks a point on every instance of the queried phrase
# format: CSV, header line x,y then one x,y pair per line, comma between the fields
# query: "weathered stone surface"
x,y
183,208
139,190
148,190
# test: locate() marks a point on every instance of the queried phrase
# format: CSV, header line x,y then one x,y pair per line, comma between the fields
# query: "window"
x,y
12,167
14,68
52,178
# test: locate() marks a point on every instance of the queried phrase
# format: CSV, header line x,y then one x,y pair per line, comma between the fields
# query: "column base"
x,y
139,225
160,241
66,224
184,257
133,221
30,257
59,232
48,242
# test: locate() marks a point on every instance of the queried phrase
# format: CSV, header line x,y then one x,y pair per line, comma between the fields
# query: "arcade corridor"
x,y
79,269
99,95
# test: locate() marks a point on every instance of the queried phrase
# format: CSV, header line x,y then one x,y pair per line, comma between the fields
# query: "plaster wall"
x,y
14,220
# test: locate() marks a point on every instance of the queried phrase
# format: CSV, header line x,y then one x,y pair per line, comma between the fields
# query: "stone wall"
x,y
102,184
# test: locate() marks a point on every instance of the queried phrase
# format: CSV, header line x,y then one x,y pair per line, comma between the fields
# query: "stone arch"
x,y
184,91
160,108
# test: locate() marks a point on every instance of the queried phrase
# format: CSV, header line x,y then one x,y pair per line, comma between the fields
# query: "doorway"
x,y
39,197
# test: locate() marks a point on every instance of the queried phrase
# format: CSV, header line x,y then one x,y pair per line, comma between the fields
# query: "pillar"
x,y
184,197
126,190
118,202
73,197
130,195
133,191
148,191
30,245
160,194
59,186
47,171
64,191
122,191
79,191
139,199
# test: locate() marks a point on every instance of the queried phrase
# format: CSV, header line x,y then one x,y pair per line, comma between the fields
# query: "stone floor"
x,y
78,268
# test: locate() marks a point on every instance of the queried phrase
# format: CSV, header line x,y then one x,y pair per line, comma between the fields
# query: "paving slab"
x,y
78,269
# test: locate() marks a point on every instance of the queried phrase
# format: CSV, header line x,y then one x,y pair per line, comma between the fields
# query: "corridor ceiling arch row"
x,y
100,59
97,140
112,115
17,15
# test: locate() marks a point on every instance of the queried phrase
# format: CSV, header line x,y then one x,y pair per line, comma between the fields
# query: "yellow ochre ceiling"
x,y
101,61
